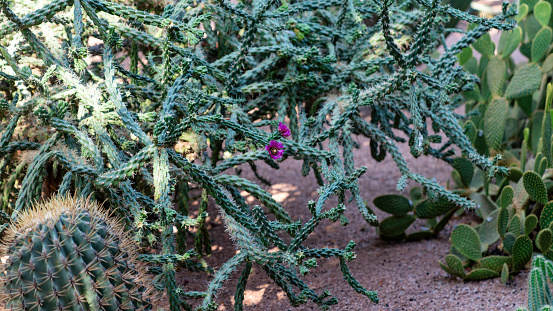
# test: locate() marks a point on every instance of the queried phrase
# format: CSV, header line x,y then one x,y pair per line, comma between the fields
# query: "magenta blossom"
x,y
275,149
283,129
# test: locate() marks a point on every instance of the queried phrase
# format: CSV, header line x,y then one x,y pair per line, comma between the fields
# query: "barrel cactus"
x,y
68,254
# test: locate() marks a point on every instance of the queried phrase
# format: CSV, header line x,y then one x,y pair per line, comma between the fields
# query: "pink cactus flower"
x,y
283,129
275,149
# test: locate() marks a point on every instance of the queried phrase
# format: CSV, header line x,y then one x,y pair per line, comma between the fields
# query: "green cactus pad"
x,y
515,174
504,183
531,27
465,169
455,264
546,216
502,41
394,204
542,166
542,12
466,241
525,81
521,252
547,65
544,240
549,254
494,122
464,55
504,273
481,274
487,230
484,205
415,194
465,260
478,119
396,225
484,79
525,103
526,47
484,45
513,40
515,225
548,185
529,3
506,196
494,263
520,199
431,208
530,223
539,157
470,130
535,130
49,246
471,66
534,186
508,242
522,12
546,132
456,177
447,269
496,75
480,142
478,179
502,221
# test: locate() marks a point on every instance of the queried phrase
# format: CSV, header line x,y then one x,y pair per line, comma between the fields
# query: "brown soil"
x,y
406,275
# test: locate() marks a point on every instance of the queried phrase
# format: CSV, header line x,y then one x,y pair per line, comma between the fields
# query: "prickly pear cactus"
x,y
394,228
516,210
67,254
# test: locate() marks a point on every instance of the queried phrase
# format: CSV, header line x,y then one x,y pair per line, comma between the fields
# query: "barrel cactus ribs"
x,y
68,254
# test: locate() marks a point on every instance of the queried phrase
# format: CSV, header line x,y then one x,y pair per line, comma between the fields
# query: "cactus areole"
x,y
67,254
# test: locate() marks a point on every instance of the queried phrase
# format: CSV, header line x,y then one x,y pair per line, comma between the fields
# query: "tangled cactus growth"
x,y
69,254
204,84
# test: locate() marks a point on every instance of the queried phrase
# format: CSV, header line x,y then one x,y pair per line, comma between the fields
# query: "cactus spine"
x,y
67,254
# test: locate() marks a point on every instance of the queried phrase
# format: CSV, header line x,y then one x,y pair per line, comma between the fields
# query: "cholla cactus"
x,y
209,75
